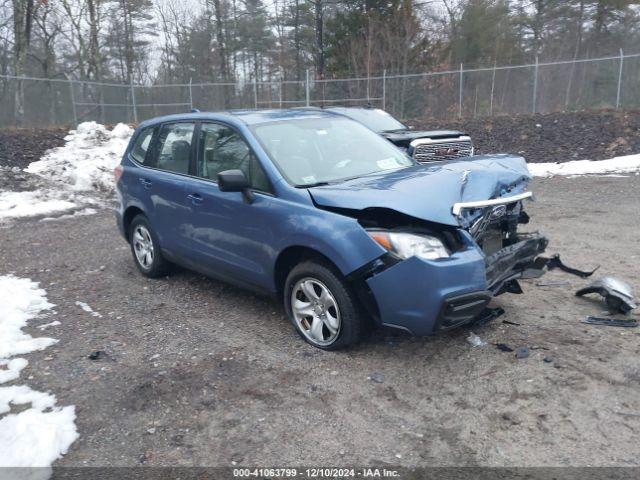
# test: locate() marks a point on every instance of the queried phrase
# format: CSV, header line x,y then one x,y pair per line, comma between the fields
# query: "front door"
x,y
230,235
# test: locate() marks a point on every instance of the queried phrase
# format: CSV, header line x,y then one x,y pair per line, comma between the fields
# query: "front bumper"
x,y
422,296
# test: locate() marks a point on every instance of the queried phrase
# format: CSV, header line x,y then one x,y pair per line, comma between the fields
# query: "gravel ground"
x,y
200,373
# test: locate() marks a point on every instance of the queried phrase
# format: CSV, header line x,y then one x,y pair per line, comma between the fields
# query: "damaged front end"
x,y
423,296
509,254
443,267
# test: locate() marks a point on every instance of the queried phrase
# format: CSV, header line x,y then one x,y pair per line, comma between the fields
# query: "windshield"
x,y
326,150
373,118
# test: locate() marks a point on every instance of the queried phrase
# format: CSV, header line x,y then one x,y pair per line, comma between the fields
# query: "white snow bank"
x,y
87,159
37,436
617,165
20,301
83,165
30,204
34,437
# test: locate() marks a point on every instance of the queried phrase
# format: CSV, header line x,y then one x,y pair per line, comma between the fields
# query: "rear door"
x,y
230,236
164,185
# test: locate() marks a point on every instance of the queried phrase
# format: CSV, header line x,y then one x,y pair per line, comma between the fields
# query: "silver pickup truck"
x,y
423,145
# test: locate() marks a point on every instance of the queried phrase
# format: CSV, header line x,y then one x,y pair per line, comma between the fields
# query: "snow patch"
x,y
30,204
50,324
88,309
80,213
20,301
87,159
613,166
37,436
10,369
40,434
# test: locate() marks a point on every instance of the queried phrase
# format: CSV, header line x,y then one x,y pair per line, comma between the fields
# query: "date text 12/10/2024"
x,y
315,473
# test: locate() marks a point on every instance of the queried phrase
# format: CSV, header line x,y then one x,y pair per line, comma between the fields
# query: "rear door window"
x,y
174,147
141,146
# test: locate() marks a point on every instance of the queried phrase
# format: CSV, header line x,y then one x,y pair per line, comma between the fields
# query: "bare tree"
x,y
23,14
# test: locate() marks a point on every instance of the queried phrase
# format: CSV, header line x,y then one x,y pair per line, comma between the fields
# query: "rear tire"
x,y
145,248
322,306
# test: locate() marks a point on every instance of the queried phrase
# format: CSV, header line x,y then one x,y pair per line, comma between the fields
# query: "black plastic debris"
x,y
507,322
616,293
522,352
611,322
503,347
547,359
555,262
487,315
98,355
377,377
512,286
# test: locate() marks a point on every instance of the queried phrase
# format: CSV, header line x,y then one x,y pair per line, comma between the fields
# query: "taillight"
x,y
117,173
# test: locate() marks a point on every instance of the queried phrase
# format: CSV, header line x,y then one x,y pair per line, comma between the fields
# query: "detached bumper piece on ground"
x,y
616,293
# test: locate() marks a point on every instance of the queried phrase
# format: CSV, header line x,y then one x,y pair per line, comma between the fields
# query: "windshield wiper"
x,y
311,185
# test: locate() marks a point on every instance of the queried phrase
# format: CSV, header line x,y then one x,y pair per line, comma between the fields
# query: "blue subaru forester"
x,y
323,213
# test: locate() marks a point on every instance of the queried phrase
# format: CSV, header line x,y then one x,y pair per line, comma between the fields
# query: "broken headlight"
x,y
406,245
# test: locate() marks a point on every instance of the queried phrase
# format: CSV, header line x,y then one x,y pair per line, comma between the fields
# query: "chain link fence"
x,y
599,83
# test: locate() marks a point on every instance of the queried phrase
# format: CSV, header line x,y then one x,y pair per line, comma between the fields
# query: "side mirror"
x,y
235,181
232,181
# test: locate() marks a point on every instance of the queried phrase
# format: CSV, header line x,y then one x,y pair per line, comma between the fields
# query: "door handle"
x,y
196,199
145,183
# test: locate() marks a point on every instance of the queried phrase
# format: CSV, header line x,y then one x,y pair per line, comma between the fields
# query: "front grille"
x,y
429,150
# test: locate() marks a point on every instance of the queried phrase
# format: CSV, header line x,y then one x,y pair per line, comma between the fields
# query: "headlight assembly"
x,y
406,245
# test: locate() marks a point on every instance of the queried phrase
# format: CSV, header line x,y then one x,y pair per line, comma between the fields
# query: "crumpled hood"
x,y
428,192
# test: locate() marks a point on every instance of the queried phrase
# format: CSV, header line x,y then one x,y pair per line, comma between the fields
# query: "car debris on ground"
x,y
554,262
617,294
611,322
503,347
99,355
508,322
475,341
487,315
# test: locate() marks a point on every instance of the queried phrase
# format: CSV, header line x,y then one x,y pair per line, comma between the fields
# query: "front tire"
x,y
322,307
146,248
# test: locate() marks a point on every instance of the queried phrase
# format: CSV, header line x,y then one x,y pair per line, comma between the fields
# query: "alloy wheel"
x,y
315,311
143,246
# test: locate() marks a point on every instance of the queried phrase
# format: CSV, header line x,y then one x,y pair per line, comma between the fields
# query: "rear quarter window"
x,y
141,146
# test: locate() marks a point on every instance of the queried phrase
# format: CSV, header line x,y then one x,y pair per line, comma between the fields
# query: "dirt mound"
x,y
553,137
21,146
